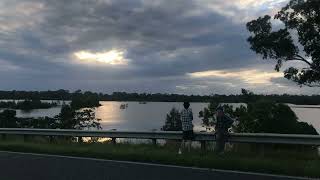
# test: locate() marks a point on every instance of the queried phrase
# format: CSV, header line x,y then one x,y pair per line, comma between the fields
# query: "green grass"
x,y
286,163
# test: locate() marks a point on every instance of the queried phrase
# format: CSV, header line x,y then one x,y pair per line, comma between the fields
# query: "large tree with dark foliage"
x,y
259,115
84,100
173,121
8,119
70,118
297,40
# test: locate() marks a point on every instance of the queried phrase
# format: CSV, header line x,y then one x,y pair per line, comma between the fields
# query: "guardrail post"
x,y
4,136
114,140
25,137
154,142
80,140
50,139
262,150
203,145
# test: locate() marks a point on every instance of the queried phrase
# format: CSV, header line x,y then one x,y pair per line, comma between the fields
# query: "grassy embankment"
x,y
285,163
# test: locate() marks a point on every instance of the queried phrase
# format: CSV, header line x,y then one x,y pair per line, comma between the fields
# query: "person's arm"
x,y
230,120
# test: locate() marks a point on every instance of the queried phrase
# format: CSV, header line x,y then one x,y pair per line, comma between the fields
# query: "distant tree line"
x,y
27,104
68,118
79,114
123,96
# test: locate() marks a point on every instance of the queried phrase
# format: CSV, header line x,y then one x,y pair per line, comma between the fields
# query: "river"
x,y
152,115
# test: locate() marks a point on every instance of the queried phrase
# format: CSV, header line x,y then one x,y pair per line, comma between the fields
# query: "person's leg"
x,y
223,142
182,142
219,143
188,145
181,146
191,137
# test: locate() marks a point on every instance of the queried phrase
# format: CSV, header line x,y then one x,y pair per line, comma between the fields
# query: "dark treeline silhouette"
x,y
123,96
84,100
27,104
70,117
259,116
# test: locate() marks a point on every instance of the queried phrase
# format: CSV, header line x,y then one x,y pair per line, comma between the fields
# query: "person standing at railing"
x,y
222,125
187,126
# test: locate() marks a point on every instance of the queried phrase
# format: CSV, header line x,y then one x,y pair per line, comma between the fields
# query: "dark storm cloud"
x,y
163,40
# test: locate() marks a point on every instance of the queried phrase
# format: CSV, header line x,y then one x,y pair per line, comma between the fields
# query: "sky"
x,y
163,46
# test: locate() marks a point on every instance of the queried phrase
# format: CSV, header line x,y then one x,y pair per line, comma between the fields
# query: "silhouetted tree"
x,y
77,119
269,117
248,96
301,19
27,104
207,114
8,119
65,119
84,100
259,116
173,121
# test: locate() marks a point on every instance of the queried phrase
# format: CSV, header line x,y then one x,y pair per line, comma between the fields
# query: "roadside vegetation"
x,y
276,162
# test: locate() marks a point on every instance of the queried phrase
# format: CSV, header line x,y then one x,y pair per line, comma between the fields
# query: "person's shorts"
x,y
188,135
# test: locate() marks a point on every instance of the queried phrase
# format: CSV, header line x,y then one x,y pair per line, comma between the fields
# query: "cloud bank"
x,y
176,46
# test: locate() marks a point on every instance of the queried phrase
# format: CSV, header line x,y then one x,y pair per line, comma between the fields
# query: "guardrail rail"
x,y
203,137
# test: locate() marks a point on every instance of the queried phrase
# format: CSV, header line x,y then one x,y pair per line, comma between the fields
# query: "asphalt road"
x,y
16,166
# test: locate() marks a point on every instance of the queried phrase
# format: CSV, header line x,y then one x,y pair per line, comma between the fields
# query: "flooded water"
x,y
152,115
137,116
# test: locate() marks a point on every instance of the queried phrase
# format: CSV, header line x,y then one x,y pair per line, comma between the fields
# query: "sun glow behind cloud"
x,y
251,76
112,57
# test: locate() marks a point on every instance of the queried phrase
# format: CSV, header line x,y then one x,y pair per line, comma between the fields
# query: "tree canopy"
x,y
297,40
259,116
173,121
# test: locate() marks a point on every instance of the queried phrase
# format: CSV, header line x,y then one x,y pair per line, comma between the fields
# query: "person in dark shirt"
x,y
222,125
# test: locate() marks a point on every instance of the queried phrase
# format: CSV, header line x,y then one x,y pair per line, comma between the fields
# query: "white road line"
x,y
162,165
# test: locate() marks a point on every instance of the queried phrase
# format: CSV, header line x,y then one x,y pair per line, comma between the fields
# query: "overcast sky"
x,y
169,46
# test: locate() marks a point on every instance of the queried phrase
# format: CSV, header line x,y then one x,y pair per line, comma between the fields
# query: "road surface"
x,y
25,166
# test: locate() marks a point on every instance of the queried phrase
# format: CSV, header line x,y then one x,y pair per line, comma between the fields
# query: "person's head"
x,y
219,111
186,105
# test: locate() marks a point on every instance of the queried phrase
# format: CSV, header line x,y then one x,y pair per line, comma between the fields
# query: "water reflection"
x,y
149,116
152,115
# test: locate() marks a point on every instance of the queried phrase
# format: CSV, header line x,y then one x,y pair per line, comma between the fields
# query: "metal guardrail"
x,y
173,135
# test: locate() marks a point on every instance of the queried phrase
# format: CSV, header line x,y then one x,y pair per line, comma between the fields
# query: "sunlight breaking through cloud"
x,y
251,76
112,57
